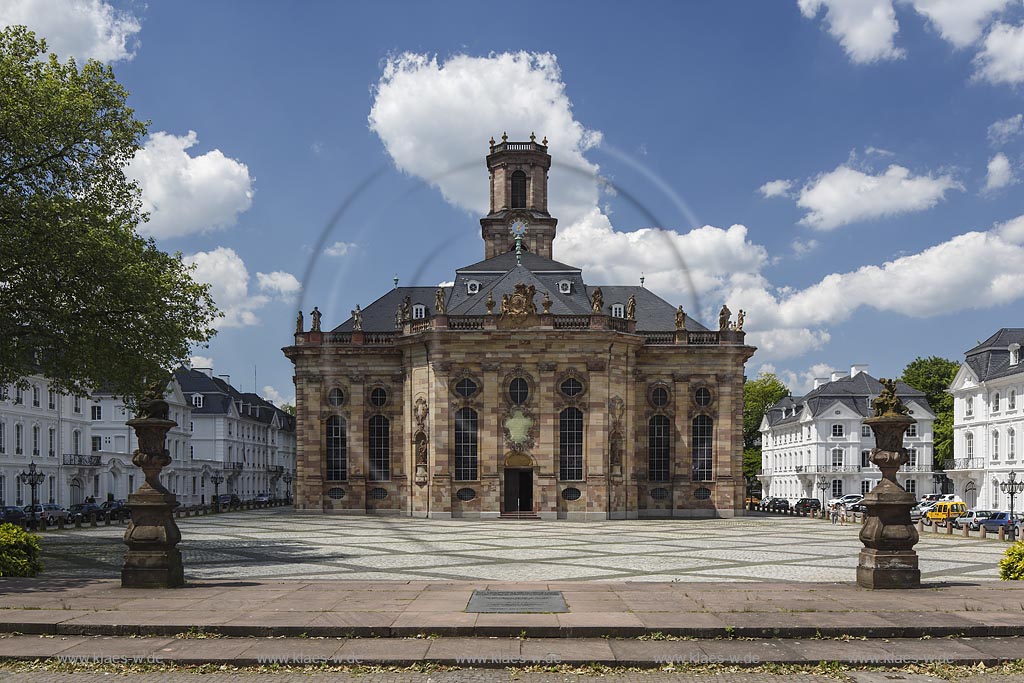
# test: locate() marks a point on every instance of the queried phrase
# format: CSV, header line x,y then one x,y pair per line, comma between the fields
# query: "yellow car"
x,y
944,511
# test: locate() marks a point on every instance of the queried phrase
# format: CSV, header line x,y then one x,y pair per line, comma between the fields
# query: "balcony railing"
x,y
275,468
466,322
968,463
81,460
232,465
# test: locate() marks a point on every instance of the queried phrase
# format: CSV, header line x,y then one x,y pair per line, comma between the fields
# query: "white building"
x,y
988,420
820,437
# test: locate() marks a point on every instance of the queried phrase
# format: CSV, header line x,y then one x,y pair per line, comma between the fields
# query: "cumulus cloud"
x,y
1012,230
865,28
802,248
228,277
1001,59
84,29
1000,173
799,382
276,397
846,195
1004,130
200,362
339,249
188,194
961,22
776,188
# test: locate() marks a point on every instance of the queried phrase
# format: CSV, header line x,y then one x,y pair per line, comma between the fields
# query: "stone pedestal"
x,y
152,560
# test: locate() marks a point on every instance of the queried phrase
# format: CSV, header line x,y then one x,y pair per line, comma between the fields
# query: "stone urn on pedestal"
x,y
152,560
888,559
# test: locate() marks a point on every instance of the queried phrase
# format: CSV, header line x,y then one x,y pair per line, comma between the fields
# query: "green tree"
x,y
933,375
289,408
84,299
758,395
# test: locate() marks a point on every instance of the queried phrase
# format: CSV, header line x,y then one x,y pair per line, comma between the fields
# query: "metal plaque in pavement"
x,y
517,602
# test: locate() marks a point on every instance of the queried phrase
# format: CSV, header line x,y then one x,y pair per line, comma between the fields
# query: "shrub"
x,y
1011,567
19,552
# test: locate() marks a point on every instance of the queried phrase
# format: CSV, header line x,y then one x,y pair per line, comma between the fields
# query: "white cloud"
x,y
802,248
339,248
1012,230
961,22
1001,59
186,194
1000,173
798,382
1004,130
776,188
82,29
846,195
878,151
279,284
200,362
276,397
865,28
228,277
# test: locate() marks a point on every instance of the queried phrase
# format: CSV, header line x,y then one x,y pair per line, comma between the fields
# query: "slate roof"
x,y
991,358
499,276
852,392
218,396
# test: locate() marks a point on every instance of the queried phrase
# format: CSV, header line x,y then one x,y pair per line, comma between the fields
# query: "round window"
x,y
335,397
659,396
336,493
465,494
518,391
703,493
466,387
378,493
703,397
572,387
571,493
378,397
659,494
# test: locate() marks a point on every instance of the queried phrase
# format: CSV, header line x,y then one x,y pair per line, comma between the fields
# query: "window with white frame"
x,y
19,396
18,436
52,441
969,406
565,286
618,311
995,445
36,439
3,441
97,412
912,430
197,400
837,488
865,430
968,445
51,399
97,443
912,457
1014,354
910,485
77,405
837,430
76,442
865,458
35,396
995,402
1011,400
865,487
837,457
419,311
1011,444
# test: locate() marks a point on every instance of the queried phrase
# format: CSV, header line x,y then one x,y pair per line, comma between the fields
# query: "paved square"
x,y
278,544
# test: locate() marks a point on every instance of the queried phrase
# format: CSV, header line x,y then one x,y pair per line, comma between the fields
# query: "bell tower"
x,y
519,191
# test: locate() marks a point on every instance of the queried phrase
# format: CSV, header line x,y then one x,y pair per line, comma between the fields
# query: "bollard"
x,y
92,519
60,524
982,532
78,522
106,520
187,511
920,526
967,531
949,528
935,527
1002,534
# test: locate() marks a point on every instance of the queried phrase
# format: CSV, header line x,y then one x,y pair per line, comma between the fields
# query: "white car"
x,y
847,500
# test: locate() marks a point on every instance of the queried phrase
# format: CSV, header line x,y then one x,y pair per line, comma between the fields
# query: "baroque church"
x,y
521,390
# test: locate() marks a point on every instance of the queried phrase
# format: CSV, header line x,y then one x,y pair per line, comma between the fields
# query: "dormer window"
x,y
1014,354
472,287
618,311
565,286
419,311
197,400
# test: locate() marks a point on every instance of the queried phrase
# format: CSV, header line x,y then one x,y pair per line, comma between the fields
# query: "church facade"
x,y
520,390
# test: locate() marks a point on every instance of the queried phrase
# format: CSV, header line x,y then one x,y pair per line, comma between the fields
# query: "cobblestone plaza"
x,y
278,544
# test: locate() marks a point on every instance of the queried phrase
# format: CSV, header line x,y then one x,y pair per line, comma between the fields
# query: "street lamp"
x,y
217,480
822,486
1012,487
34,479
288,483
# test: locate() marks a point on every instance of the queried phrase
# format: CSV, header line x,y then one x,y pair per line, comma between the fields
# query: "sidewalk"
x,y
396,609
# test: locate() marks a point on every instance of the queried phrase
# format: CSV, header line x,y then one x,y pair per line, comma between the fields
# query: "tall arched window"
x,y
703,441
570,431
337,449
518,190
658,439
995,445
1011,444
380,448
466,440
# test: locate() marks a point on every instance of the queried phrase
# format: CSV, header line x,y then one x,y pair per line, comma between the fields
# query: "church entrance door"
x,y
518,490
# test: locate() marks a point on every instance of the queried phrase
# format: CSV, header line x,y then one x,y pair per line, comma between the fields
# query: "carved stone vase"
x,y
152,560
888,559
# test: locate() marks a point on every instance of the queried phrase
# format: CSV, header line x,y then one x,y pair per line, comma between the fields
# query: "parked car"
x,y
50,512
777,505
847,500
943,511
930,498
1000,519
916,513
971,518
85,512
751,499
116,509
806,505
229,499
262,498
12,515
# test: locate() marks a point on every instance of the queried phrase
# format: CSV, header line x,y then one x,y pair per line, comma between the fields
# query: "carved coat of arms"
x,y
519,304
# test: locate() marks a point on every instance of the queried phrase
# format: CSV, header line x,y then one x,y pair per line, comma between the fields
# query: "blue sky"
x,y
844,170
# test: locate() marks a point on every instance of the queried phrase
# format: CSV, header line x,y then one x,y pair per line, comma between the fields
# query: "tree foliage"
x,y
84,299
933,375
758,395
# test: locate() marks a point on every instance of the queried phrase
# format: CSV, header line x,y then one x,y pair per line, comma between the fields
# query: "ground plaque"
x,y
517,602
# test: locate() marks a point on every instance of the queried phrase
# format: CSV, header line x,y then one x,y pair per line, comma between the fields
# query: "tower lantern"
x,y
519,189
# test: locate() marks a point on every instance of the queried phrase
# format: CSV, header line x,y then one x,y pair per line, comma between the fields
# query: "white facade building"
x,y
820,437
988,420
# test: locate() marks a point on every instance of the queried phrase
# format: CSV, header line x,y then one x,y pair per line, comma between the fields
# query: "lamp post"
x,y
217,480
288,483
34,479
1010,487
822,485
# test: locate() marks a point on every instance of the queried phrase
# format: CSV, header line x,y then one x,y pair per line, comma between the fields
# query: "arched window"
x,y
969,406
1011,445
466,439
380,448
518,190
995,445
18,439
658,439
337,449
703,441
570,443
968,445
1011,400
